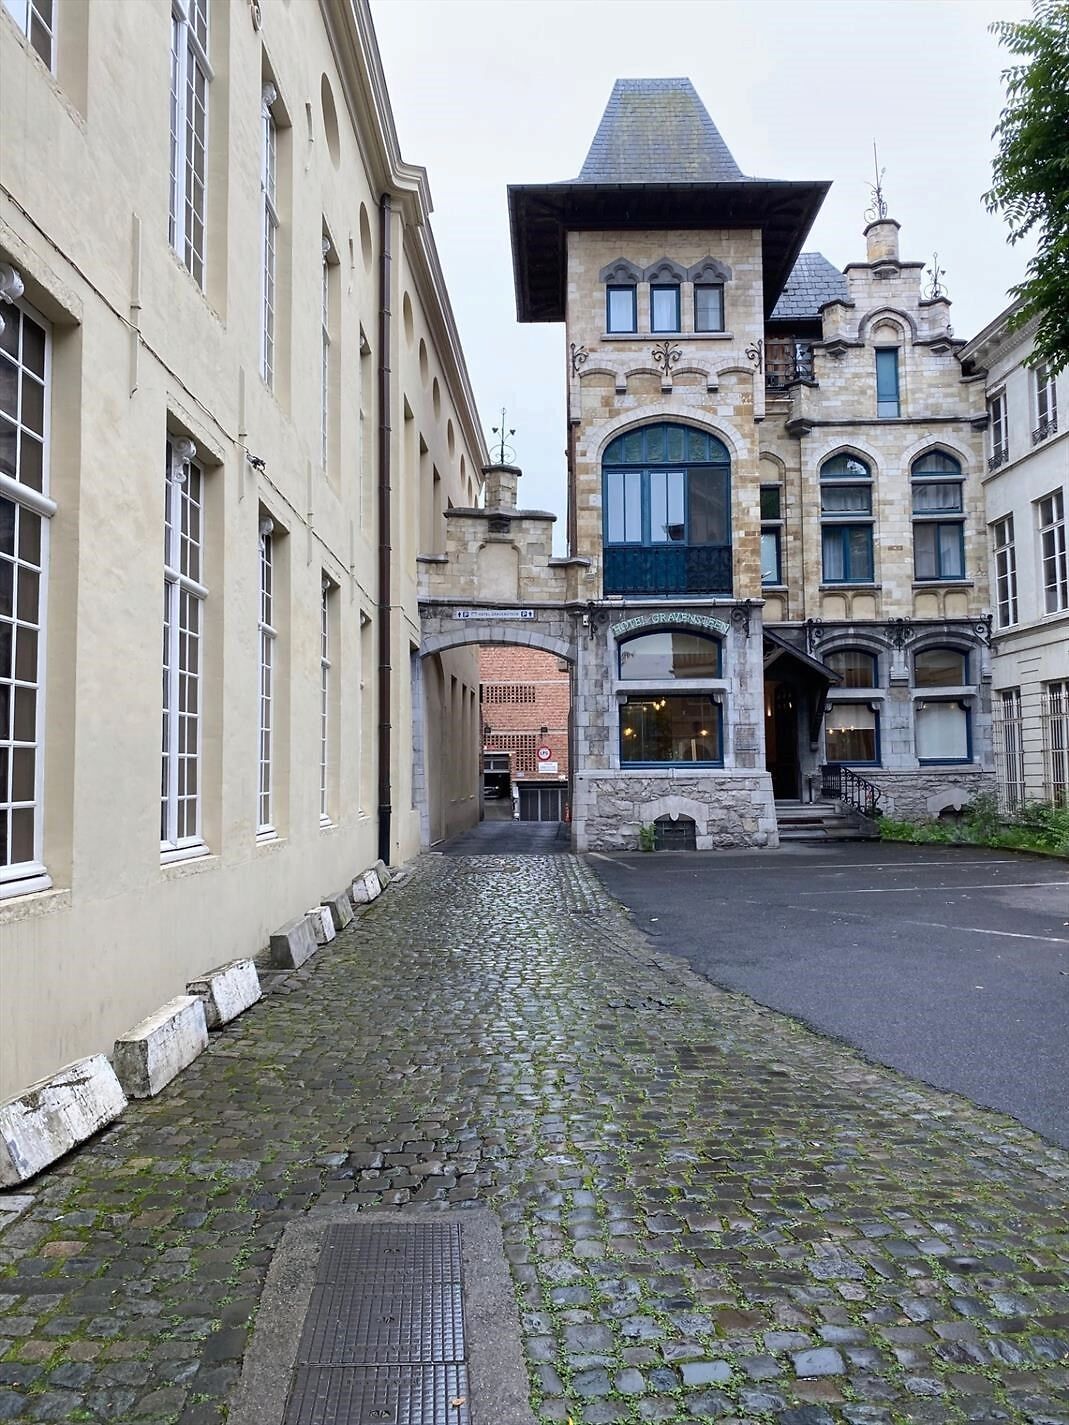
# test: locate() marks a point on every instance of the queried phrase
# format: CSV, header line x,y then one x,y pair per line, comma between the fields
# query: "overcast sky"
x,y
491,92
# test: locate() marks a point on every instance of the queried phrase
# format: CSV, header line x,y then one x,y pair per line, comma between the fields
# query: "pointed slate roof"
x,y
657,162
657,131
813,281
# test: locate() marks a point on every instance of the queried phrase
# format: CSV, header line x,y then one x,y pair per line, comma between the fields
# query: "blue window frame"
x,y
621,309
664,307
667,654
942,725
671,729
857,667
667,512
708,307
846,520
938,544
887,394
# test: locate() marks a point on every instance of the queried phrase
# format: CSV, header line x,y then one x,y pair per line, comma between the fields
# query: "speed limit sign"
x,y
544,753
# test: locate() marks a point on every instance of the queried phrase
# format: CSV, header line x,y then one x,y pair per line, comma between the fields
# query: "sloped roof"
x,y
813,281
657,131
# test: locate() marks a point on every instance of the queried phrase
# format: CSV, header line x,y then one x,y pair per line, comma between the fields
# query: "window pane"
x,y
708,309
621,309
924,552
856,667
934,498
940,668
770,502
887,382
624,513
675,444
834,556
770,571
951,555
664,309
850,733
844,467
859,545
934,462
942,732
669,729
666,507
710,516
846,499
669,654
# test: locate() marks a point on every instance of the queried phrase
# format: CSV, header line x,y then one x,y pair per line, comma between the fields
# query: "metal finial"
x,y
505,453
935,288
877,210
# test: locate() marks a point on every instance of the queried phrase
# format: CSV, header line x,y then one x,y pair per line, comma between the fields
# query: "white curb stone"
x,y
148,1056
322,924
227,991
367,887
341,909
56,1114
293,944
383,873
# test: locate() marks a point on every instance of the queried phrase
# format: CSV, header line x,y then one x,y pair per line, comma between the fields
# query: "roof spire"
x,y
658,131
877,210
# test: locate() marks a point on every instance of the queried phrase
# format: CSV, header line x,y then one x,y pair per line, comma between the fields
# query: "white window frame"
x,y
1053,557
24,877
268,638
24,13
1046,400
324,380
1056,741
178,585
998,429
324,701
190,67
1004,557
269,232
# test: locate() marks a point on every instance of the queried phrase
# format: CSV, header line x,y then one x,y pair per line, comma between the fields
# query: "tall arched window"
x,y
667,512
938,517
846,520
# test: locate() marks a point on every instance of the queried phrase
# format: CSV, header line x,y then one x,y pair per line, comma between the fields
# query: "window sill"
x,y
174,869
667,336
945,762
269,844
21,903
944,583
847,584
775,588
31,884
674,766
856,695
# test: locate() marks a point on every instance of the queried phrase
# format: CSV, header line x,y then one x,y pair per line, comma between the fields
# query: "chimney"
x,y
882,239
499,486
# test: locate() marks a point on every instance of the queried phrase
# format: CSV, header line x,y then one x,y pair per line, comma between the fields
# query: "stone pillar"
x,y
500,486
882,240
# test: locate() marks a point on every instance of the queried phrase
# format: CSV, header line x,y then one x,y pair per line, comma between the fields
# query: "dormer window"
x,y
621,309
664,307
709,307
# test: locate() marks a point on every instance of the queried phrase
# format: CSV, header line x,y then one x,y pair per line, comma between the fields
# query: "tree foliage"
x,y
1031,169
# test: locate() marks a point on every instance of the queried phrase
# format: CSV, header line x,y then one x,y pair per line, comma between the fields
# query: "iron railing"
x,y
1047,426
845,785
787,361
668,569
999,457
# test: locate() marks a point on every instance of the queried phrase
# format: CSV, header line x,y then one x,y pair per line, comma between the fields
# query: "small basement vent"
x,y
678,835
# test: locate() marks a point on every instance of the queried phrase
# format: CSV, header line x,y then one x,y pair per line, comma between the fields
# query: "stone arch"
x,y
779,465
894,314
946,445
858,448
475,631
709,270
949,799
622,272
676,806
665,270
657,415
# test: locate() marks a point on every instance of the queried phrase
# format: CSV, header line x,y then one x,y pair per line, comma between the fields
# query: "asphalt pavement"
x,y
949,964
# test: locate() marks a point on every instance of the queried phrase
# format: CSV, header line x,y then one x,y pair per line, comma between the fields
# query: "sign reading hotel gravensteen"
x,y
677,616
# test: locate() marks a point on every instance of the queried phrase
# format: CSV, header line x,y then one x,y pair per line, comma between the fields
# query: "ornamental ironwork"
x,y
755,353
935,288
741,615
877,209
814,633
899,632
504,452
665,355
580,356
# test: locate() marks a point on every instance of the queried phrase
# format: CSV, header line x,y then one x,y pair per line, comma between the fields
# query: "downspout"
x,y
385,530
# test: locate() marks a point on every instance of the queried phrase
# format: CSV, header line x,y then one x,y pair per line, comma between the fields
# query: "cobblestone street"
x,y
710,1212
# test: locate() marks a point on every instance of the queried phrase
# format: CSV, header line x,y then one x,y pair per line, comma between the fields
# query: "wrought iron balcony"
x,y
1000,456
787,361
668,569
1047,426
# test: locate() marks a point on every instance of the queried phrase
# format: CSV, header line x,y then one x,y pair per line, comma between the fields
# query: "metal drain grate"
x,y
390,1395
383,1340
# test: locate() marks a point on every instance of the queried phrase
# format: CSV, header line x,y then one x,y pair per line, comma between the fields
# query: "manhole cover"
x,y
388,1395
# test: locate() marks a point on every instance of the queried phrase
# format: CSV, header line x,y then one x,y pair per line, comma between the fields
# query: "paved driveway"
x,y
949,964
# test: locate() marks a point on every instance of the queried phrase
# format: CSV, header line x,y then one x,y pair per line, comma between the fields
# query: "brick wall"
x,y
524,690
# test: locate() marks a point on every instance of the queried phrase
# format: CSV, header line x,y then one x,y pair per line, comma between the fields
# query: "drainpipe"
x,y
385,516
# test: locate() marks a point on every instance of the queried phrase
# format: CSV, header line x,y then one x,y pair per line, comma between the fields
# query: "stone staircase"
x,y
820,821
